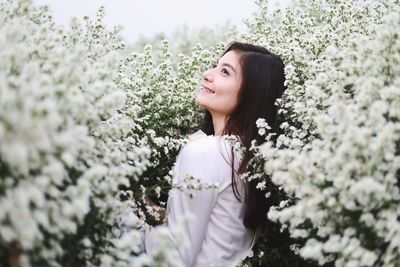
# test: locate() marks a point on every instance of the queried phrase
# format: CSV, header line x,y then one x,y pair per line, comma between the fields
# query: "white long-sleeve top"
x,y
216,237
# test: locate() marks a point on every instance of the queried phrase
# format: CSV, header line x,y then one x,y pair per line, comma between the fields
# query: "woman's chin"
x,y
199,101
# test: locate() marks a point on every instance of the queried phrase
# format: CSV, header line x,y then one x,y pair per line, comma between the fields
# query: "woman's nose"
x,y
207,75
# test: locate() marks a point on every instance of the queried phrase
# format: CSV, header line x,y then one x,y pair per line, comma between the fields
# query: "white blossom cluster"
x,y
185,38
68,140
192,185
340,154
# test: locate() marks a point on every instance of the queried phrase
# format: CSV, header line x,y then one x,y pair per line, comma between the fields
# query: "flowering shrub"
x,y
59,167
339,154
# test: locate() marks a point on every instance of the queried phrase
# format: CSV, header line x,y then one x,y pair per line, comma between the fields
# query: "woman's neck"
x,y
219,122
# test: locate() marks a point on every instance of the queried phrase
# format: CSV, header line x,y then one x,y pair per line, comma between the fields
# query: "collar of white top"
x,y
197,135
200,134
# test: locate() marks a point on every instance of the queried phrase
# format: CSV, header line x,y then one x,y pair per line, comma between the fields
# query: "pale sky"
x,y
149,17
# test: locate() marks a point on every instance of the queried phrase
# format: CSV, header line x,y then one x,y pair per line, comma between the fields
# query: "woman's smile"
x,y
204,89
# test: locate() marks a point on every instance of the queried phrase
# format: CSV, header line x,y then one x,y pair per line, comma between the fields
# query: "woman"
x,y
242,87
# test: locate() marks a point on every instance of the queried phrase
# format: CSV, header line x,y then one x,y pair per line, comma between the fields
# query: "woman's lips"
x,y
206,90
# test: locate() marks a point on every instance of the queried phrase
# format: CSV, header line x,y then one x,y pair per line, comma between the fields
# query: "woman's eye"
x,y
225,71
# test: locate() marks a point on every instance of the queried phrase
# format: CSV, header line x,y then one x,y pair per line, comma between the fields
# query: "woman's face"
x,y
219,93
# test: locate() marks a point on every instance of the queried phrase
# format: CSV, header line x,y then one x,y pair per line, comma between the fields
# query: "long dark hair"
x,y
263,80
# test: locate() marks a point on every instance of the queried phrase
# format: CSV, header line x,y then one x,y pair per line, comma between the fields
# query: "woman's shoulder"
x,y
208,157
209,148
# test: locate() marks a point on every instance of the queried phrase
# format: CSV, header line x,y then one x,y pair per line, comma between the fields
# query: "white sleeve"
x,y
202,161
